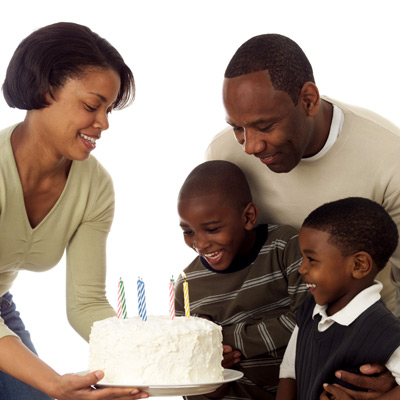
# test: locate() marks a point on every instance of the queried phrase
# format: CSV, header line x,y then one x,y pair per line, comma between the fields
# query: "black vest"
x,y
372,337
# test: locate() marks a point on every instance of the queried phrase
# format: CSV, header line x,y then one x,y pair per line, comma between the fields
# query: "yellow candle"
x,y
186,296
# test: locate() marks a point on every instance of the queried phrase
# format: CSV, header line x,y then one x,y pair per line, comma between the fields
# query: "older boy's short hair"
x,y
357,224
218,177
49,56
286,63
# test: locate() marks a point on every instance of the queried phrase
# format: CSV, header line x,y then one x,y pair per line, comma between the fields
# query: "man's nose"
x,y
252,143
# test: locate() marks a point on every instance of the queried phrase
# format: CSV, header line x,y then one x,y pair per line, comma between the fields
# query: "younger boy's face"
x,y
327,273
216,231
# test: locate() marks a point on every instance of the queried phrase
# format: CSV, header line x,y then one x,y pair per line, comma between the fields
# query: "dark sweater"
x,y
372,337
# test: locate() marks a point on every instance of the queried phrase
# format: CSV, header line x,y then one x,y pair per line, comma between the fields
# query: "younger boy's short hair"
x,y
218,177
357,224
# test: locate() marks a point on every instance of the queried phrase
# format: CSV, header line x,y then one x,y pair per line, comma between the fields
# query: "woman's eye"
x,y
90,108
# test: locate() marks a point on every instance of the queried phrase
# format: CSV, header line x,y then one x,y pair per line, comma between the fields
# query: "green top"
x,y
79,222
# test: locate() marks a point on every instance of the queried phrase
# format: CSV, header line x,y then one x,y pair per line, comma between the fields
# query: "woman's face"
x,y
78,114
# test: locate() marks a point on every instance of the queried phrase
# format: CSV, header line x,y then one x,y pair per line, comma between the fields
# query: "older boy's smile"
x,y
216,231
213,257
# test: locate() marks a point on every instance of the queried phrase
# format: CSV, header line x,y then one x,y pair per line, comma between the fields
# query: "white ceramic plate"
x,y
229,375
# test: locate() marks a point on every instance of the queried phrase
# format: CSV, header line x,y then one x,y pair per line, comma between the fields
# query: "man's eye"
x,y
265,129
237,129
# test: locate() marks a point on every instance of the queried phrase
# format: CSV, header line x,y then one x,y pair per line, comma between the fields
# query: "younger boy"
x,y
245,277
344,324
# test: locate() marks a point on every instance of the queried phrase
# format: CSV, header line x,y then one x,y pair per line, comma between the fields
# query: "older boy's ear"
x,y
250,216
363,264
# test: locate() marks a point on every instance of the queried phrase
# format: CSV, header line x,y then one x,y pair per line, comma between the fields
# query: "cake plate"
x,y
229,375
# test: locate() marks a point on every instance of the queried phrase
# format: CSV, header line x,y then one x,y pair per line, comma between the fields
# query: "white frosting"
x,y
157,351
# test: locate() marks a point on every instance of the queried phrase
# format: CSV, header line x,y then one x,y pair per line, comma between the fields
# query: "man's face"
x,y
266,122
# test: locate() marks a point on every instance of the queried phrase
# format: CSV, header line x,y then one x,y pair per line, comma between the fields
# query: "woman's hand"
x,y
80,387
231,357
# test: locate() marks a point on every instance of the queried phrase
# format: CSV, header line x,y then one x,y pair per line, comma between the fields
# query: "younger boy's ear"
x,y
363,264
249,216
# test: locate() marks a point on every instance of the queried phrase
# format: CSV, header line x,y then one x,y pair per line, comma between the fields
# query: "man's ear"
x,y
249,216
363,264
309,98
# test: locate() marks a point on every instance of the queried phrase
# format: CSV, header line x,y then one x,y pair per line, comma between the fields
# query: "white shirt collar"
x,y
351,312
336,127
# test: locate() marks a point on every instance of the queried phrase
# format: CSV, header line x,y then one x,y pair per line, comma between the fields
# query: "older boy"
x,y
344,324
245,277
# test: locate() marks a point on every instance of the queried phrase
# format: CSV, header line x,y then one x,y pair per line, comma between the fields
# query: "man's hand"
x,y
333,392
231,357
376,385
382,383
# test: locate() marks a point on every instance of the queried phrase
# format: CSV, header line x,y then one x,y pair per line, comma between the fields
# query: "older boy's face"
x,y
266,122
327,273
215,231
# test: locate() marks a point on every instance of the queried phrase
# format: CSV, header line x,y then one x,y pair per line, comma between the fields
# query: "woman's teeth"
x,y
90,139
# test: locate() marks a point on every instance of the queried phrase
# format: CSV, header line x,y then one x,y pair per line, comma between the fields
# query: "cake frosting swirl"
x,y
157,351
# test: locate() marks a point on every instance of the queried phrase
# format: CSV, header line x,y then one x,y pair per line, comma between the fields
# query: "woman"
x,y
55,196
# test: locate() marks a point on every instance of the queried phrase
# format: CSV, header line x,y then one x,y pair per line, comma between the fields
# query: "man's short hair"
x,y
286,63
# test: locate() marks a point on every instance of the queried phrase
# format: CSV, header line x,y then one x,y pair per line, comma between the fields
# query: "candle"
x,y
171,298
141,299
186,296
121,312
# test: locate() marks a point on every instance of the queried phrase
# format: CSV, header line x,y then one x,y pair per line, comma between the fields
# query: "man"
x,y
306,150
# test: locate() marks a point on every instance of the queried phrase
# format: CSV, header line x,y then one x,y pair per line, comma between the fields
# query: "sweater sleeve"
x,y
270,333
86,262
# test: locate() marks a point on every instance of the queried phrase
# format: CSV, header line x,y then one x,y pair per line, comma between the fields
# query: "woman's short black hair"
x,y
51,55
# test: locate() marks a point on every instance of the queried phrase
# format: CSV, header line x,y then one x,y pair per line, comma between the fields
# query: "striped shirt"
x,y
254,301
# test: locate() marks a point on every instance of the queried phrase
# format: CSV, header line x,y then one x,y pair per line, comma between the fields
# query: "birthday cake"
x,y
157,351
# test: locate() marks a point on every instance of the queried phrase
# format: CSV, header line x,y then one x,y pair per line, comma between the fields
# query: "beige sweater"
x,y
79,222
364,162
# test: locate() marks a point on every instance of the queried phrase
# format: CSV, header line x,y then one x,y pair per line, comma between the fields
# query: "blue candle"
x,y
141,300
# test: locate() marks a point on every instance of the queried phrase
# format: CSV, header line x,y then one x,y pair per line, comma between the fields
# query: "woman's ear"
x,y
249,216
309,98
363,264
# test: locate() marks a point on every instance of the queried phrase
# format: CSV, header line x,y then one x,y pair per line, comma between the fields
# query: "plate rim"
x,y
236,375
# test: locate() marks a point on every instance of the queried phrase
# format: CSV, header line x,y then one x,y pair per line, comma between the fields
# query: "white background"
x,y
178,51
